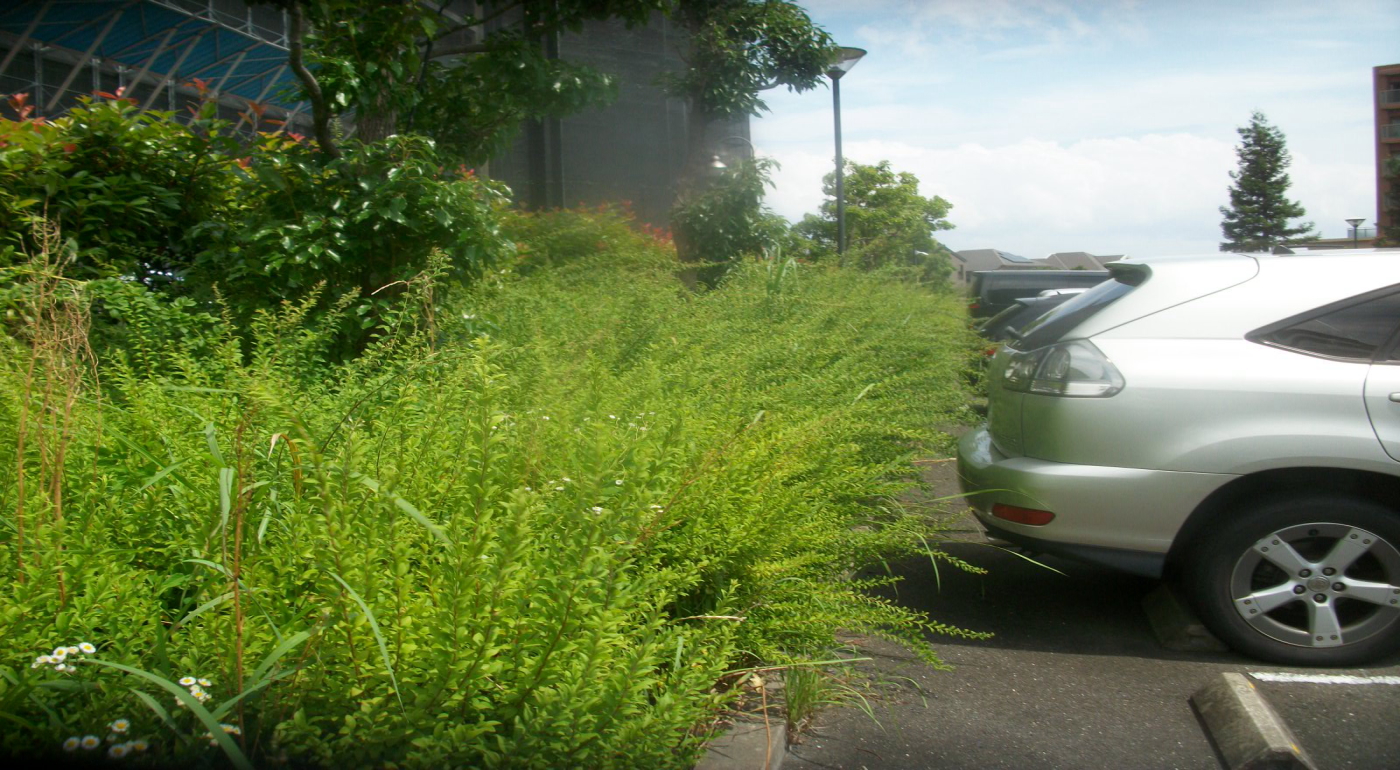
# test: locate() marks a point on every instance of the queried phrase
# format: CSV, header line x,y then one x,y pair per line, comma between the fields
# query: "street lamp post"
x,y
1355,230
846,58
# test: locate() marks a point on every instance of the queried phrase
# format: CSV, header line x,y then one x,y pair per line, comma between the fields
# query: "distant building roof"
x,y
991,259
1080,260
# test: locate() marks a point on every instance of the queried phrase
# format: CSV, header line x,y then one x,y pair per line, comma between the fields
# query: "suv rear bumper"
x,y
1125,518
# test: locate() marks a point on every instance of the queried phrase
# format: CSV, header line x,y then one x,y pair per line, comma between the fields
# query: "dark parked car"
x,y
1022,311
993,291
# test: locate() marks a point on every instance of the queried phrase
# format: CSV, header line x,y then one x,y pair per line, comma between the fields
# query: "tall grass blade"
x,y
212,440
404,506
205,607
159,710
378,637
225,496
166,471
231,750
276,655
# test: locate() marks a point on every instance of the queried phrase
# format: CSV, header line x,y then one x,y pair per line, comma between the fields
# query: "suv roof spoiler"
x,y
1131,273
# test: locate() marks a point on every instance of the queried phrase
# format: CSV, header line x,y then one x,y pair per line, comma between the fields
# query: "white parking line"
x,y
1324,678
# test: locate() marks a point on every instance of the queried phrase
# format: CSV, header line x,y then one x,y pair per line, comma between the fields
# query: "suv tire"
x,y
1309,581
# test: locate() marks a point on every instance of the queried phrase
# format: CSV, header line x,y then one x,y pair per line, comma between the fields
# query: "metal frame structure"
x,y
157,44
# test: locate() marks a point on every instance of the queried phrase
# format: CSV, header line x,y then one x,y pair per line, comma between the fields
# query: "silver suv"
x,y
1230,420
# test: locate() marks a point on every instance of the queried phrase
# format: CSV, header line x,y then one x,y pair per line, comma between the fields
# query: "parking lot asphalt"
x,y
1074,678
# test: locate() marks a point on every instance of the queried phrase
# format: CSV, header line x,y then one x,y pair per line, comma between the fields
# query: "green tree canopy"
x,y
407,66
887,221
736,49
1259,211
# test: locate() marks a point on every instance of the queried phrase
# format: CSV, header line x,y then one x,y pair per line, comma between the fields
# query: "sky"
x,y
1104,126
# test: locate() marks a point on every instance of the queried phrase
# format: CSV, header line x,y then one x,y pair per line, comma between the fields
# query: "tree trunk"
x,y
378,120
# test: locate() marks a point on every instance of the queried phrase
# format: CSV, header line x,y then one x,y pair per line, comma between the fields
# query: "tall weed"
x,y
533,528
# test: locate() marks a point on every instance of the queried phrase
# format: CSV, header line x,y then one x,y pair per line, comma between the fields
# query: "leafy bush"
x,y
541,548
243,222
556,238
129,189
724,219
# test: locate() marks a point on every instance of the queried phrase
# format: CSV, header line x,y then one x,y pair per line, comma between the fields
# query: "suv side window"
x,y
1354,330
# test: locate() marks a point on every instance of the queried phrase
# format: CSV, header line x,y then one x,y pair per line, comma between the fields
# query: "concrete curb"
x,y
748,745
1175,626
1245,730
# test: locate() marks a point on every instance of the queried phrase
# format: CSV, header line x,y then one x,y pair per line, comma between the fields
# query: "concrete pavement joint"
x,y
1245,729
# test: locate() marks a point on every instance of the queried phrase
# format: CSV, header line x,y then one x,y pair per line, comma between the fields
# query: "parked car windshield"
x,y
1049,328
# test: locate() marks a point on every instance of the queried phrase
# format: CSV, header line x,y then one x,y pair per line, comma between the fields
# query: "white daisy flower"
x,y
558,489
86,648
597,509
654,507
59,653
230,729
140,744
118,751
566,479
205,682
73,649
90,742
71,744
187,680
544,417
612,417
618,482
120,725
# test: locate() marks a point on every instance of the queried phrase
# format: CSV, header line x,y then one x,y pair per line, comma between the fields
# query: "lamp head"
x,y
846,58
1356,222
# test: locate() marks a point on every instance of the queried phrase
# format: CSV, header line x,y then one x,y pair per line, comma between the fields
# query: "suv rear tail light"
x,y
1032,516
1075,368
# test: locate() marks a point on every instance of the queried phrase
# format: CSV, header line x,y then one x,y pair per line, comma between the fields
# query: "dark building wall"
x,y
633,150
1387,95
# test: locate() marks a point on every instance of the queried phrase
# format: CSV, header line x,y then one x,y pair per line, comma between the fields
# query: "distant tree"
x,y
1259,211
887,221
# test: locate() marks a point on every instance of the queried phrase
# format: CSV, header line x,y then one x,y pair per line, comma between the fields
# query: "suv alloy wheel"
x,y
1303,581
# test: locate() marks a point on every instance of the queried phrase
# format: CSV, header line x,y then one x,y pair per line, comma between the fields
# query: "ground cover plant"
x,y
545,523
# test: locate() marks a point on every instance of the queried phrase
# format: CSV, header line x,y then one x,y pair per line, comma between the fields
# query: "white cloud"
x,y
1054,125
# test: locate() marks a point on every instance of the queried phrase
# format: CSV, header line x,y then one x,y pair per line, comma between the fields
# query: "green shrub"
x,y
131,190
554,238
242,223
724,219
538,548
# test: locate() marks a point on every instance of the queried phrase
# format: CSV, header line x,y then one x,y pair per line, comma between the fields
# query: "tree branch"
x,y
484,20
320,111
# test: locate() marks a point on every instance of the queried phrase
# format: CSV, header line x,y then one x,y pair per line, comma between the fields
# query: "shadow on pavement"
x,y
1087,610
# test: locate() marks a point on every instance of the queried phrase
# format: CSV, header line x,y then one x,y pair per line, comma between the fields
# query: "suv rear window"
x,y
1049,328
1351,330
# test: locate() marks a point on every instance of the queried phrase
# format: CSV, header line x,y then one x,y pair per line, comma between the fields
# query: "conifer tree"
x,y
1259,211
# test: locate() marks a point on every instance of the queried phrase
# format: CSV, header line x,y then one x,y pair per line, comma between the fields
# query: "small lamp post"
x,y
1355,230
846,58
